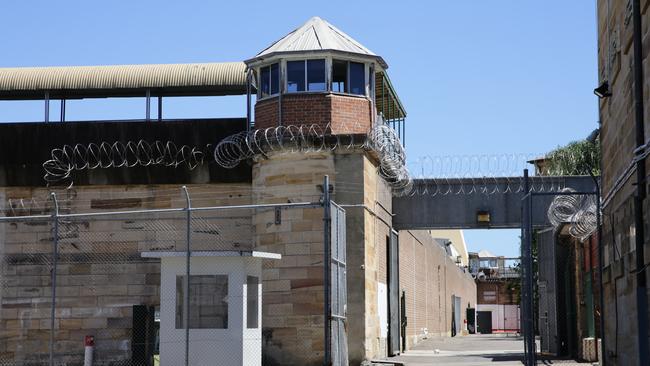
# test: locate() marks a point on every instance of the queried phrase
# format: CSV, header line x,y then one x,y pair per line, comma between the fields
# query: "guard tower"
x,y
317,75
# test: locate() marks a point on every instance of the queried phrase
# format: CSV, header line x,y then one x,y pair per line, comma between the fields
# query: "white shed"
x,y
225,302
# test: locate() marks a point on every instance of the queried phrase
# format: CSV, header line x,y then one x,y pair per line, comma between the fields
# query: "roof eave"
x,y
261,58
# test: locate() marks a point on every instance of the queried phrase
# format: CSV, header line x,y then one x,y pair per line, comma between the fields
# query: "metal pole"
x,y
148,113
248,101
601,290
532,348
47,107
55,255
160,100
641,286
62,109
525,233
187,275
327,223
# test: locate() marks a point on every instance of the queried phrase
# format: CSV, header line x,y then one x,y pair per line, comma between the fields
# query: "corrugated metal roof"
x,y
228,78
317,35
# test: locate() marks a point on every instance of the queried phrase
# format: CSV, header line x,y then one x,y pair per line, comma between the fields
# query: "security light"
x,y
602,91
483,217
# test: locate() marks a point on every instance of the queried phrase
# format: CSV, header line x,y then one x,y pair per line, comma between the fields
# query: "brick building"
x,y
497,299
623,109
317,78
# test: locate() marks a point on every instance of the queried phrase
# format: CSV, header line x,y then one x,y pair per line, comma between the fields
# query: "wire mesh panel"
x,y
107,288
339,339
165,286
26,265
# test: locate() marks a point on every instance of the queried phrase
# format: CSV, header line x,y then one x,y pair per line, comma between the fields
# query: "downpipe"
x,y
639,198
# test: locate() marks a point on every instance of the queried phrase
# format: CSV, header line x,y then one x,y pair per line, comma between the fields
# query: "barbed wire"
x,y
577,211
381,139
464,174
117,154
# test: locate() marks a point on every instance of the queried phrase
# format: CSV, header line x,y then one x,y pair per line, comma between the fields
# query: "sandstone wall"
x,y
615,65
100,273
429,279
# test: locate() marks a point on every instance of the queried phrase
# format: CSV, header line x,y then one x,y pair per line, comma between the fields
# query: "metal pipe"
x,y
601,288
160,107
532,348
62,109
327,221
281,90
582,193
641,286
148,112
167,210
47,107
248,101
524,278
55,255
187,274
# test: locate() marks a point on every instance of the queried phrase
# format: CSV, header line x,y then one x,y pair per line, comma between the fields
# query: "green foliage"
x,y
575,158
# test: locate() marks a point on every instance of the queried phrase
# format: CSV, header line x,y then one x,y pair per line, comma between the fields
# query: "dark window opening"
x,y
265,81
208,305
357,78
275,79
295,76
269,80
252,300
316,75
339,76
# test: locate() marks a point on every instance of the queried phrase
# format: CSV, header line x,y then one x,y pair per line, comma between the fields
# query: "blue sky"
x,y
476,77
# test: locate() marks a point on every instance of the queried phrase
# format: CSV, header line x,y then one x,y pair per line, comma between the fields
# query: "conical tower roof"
x,y
316,35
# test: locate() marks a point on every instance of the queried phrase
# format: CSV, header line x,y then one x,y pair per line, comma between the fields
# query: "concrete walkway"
x,y
472,350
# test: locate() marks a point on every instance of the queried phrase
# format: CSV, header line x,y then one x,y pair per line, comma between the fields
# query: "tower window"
x,y
306,75
269,80
339,76
357,78
348,77
295,76
316,75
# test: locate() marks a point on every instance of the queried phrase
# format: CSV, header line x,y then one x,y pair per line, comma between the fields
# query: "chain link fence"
x,y
178,286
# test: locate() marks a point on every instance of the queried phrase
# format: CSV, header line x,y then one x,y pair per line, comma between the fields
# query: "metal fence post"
x,y
524,271
55,255
532,347
188,211
327,222
528,285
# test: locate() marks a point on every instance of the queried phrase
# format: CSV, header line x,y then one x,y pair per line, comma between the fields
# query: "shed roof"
x,y
317,35
484,253
227,78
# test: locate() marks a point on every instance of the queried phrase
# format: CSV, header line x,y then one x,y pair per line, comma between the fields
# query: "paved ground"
x,y
472,350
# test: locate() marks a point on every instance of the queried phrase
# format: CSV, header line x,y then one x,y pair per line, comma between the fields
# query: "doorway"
x,y
484,322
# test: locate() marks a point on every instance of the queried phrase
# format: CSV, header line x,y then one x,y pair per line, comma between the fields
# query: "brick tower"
x,y
316,75
319,77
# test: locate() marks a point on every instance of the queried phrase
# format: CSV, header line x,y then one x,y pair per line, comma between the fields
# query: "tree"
x,y
575,158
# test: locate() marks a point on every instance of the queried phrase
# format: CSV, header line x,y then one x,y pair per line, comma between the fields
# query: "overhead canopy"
x,y
227,78
386,98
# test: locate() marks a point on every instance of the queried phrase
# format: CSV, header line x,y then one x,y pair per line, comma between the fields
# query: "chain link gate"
x,y
547,282
338,291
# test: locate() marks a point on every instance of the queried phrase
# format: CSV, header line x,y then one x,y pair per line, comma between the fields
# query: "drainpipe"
x,y
641,287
